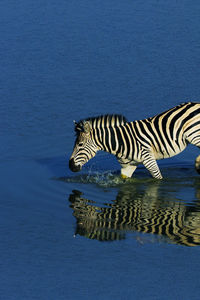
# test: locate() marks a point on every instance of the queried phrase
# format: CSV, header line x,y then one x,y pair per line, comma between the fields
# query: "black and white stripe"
x,y
138,142
130,212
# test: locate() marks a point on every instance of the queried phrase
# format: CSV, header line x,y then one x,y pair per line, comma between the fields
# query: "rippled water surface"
x,y
92,235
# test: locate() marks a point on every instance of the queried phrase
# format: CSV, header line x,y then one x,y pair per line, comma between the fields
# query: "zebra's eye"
x,y
80,144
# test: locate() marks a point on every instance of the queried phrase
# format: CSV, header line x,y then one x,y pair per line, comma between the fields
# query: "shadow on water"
x,y
167,209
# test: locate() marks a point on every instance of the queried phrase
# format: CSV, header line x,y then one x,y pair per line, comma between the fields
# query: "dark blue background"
x,y
66,60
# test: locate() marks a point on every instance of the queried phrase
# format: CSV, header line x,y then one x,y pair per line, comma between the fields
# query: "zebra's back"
x,y
168,133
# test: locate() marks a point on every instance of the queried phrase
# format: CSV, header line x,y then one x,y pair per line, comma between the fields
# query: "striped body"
x,y
138,142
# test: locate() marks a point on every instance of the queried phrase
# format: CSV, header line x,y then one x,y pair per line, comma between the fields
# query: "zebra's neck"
x,y
108,133
107,121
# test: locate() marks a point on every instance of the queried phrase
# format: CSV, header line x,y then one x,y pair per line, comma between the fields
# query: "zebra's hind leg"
x,y
150,163
195,140
197,164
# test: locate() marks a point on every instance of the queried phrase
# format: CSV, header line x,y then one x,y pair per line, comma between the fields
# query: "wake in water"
x,y
105,179
173,173
109,179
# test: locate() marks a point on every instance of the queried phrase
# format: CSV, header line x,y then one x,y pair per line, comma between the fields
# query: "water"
x,y
91,235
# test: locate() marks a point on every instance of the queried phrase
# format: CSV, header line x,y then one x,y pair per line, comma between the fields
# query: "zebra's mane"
x,y
103,121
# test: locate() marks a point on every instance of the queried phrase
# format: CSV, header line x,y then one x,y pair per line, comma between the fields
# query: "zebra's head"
x,y
84,148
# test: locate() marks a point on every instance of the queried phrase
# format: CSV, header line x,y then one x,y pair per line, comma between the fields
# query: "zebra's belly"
x,y
169,152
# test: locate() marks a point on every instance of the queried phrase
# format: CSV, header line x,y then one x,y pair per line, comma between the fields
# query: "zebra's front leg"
x,y
150,163
127,171
127,168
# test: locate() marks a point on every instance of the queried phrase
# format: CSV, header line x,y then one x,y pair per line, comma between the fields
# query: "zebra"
x,y
138,142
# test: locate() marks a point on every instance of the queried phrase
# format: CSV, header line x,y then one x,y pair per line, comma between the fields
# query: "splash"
x,y
172,174
103,179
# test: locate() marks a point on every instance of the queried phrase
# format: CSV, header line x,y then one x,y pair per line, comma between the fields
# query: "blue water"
x,y
66,60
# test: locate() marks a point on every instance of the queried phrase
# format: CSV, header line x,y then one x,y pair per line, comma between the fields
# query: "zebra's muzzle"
x,y
73,167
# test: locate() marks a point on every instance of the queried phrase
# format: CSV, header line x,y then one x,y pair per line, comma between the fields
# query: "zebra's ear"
x,y
87,127
78,126
75,123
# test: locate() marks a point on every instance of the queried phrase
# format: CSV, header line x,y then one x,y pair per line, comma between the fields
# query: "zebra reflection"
x,y
136,211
